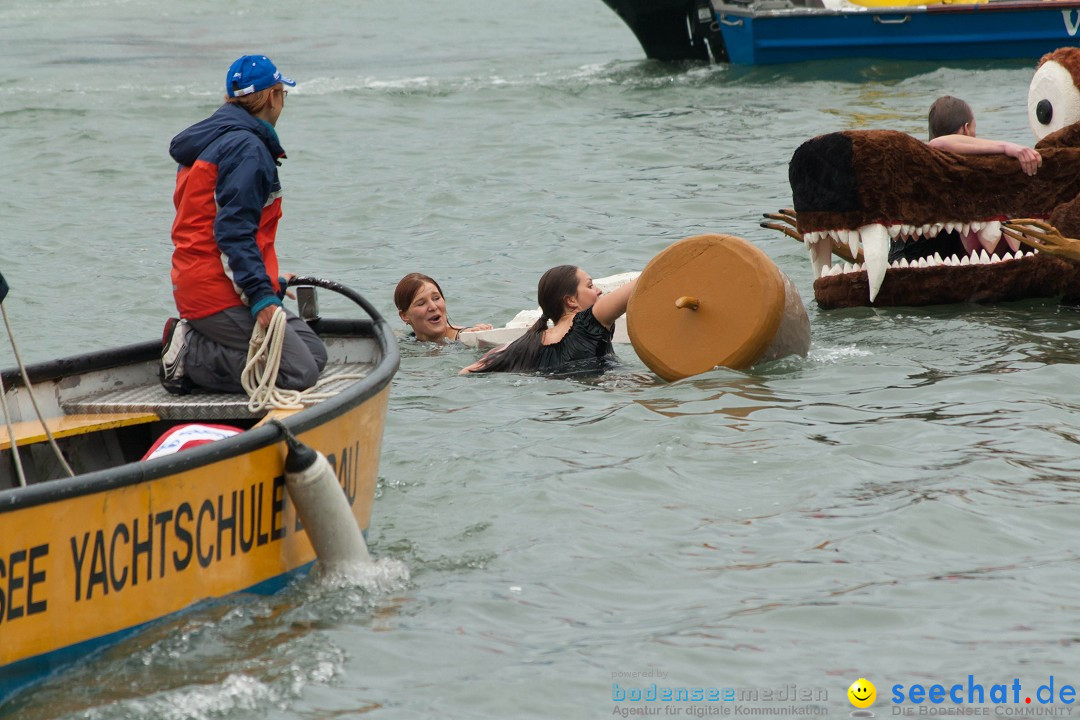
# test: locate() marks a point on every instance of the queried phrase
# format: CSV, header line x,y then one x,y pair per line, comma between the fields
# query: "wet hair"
x,y
947,115
409,286
523,355
256,101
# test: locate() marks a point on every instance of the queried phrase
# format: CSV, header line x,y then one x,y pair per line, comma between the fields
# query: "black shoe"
x,y
173,349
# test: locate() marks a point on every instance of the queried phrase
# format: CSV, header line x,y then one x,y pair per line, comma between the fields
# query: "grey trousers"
x,y
217,348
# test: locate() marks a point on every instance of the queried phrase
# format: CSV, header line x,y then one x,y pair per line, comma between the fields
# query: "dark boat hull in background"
x,y
673,29
763,32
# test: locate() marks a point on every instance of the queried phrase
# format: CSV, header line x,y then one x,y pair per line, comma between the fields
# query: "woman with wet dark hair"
x,y
580,337
422,306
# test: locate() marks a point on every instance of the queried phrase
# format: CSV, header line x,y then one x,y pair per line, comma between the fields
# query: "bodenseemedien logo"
x,y
704,701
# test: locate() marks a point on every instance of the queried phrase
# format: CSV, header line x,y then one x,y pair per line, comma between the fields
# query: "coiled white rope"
x,y
259,378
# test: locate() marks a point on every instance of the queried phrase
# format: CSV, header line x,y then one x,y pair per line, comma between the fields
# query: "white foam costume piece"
x,y
1053,85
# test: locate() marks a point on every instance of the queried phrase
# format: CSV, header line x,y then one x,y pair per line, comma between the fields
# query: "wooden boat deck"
x,y
202,404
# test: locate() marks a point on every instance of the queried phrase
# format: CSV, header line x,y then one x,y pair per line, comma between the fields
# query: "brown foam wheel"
x,y
705,301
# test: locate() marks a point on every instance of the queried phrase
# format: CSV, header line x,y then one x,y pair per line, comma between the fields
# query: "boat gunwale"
x,y
748,10
140,471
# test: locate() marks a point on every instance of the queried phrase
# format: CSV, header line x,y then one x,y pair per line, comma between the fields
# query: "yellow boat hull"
x,y
87,567
89,559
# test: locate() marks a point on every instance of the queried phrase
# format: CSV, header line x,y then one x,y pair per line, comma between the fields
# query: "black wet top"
x,y
585,347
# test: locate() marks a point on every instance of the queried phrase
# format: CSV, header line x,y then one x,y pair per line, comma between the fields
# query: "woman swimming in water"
x,y
580,339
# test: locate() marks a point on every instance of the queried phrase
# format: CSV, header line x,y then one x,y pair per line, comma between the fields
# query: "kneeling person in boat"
x,y
224,266
580,339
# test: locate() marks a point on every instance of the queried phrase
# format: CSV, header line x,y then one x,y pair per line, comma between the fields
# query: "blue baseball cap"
x,y
252,73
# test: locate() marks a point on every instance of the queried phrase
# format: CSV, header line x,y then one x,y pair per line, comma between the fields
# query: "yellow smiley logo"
x,y
862,693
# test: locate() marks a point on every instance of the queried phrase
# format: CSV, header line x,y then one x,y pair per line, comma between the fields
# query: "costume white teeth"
x,y
875,243
853,242
990,235
980,240
820,256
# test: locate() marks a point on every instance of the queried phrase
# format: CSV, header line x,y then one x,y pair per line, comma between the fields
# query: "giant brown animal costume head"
x,y
923,226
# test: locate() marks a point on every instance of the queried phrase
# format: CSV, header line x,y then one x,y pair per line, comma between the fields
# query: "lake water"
x,y
898,506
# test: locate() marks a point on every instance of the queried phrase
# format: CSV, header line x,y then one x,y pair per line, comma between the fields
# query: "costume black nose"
x,y
1044,112
822,175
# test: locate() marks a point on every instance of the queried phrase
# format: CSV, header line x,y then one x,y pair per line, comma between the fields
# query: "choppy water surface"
x,y
897,506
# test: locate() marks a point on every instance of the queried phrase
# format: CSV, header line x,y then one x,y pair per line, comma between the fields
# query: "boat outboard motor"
x,y
322,506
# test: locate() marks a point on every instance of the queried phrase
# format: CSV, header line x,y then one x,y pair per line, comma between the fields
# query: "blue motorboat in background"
x,y
759,32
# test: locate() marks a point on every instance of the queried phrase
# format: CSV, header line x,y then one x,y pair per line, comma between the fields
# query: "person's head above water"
x,y
951,116
564,289
421,306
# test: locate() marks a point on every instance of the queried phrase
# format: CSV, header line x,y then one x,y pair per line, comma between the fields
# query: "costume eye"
x,y
1044,112
1053,99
